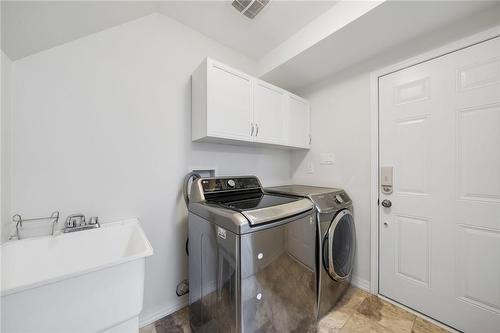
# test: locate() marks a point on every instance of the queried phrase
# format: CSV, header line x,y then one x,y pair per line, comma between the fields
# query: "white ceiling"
x,y
393,31
220,21
29,27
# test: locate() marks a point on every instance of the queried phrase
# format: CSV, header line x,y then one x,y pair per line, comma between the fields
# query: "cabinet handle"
x,y
310,139
257,132
251,134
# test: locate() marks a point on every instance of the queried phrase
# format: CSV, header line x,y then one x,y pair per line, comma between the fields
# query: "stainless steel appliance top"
x,y
240,204
326,199
302,190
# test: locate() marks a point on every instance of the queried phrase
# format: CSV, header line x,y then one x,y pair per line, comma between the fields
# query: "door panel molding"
x,y
413,91
469,164
412,132
474,239
404,245
478,75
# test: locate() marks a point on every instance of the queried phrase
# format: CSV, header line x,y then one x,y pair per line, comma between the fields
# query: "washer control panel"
x,y
211,185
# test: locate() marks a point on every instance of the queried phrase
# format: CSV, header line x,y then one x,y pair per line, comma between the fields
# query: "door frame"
x,y
374,133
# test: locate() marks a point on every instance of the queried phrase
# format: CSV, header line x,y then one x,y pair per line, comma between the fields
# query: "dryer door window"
x,y
339,245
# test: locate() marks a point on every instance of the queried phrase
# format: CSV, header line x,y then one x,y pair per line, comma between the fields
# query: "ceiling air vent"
x,y
250,8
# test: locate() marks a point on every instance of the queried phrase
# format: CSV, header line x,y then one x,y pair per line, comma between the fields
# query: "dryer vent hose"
x,y
185,189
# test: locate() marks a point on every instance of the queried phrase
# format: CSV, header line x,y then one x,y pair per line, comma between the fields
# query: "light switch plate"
x,y
327,159
310,167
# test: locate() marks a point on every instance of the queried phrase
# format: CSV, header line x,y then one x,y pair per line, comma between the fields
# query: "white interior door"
x,y
269,107
440,239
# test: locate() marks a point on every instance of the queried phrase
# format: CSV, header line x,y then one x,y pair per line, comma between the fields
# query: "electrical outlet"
x,y
327,159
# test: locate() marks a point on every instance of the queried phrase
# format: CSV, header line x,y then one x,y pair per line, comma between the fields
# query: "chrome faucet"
x,y
77,222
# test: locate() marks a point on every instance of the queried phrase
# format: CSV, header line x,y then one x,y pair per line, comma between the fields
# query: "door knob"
x,y
386,203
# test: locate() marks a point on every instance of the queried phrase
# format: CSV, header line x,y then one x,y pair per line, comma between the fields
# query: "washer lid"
x,y
239,201
261,208
245,195
249,201
277,212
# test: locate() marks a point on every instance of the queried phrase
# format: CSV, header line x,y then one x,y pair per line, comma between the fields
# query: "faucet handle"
x,y
75,220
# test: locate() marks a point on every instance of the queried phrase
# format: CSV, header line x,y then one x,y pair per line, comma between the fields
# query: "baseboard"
x,y
161,311
360,283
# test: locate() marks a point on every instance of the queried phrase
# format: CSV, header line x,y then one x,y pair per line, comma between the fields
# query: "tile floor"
x,y
357,312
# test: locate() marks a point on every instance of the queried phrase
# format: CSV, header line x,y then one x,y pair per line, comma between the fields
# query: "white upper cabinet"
x,y
268,113
229,106
230,103
298,127
221,103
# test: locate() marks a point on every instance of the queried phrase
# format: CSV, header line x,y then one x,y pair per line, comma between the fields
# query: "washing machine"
x,y
252,258
335,240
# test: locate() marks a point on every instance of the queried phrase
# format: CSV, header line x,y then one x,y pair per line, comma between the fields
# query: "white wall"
x,y
101,126
340,124
5,144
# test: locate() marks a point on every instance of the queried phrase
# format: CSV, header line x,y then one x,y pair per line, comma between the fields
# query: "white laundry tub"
x,y
85,281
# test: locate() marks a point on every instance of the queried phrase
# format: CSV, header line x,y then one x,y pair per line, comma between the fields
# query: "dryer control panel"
x,y
331,201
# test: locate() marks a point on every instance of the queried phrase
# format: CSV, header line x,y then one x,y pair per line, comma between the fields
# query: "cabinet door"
x,y
229,103
297,120
269,108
